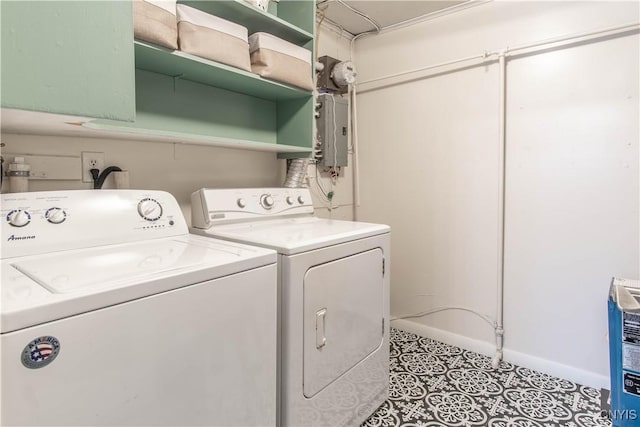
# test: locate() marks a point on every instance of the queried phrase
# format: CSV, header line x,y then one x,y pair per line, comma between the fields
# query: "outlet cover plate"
x,y
91,159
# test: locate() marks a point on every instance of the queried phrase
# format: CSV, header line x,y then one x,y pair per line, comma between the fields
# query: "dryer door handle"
x,y
321,320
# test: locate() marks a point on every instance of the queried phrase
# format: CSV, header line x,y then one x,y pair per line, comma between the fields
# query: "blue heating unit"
x,y
624,352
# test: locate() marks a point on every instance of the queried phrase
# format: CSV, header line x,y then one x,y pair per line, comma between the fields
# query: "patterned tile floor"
x,y
435,384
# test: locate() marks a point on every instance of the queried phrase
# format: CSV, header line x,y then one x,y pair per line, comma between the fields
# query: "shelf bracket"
x,y
176,77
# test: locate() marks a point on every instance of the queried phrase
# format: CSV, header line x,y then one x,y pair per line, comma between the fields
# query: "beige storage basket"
x,y
277,59
211,37
155,21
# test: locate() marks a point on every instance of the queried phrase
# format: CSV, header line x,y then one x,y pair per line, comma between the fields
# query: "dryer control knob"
x,y
266,201
19,218
301,200
289,200
55,215
241,203
150,209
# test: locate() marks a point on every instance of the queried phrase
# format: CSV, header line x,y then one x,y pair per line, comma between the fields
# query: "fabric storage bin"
x,y
155,21
211,37
276,59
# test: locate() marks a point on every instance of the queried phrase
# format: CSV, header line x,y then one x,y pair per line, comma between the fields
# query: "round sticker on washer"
x,y
40,352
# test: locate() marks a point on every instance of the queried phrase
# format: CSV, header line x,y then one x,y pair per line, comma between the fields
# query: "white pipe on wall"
x,y
525,48
427,68
498,323
355,160
354,132
499,330
572,38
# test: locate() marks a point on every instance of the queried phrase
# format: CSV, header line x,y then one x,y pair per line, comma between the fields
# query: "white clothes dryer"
x,y
113,314
334,299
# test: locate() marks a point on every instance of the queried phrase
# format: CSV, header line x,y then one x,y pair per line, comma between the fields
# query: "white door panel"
x,y
343,312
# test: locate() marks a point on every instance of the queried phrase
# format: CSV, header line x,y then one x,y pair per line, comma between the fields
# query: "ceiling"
x,y
384,12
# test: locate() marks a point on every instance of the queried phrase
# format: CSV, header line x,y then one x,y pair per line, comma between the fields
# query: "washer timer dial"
x,y
55,215
19,218
150,209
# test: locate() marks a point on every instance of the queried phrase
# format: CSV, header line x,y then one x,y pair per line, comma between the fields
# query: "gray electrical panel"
x,y
333,129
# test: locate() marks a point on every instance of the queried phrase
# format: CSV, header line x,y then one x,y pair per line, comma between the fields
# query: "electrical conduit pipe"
x,y
499,329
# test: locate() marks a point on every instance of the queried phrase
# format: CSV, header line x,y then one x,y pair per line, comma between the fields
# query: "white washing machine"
x,y
113,314
334,290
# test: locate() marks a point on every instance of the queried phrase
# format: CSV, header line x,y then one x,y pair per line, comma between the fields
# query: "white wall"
x,y
430,168
573,214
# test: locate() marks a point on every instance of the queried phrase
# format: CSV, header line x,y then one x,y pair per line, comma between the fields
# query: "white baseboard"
x,y
447,337
549,367
556,369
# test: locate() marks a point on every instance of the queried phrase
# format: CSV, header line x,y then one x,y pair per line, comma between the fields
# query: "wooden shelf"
x,y
182,65
253,18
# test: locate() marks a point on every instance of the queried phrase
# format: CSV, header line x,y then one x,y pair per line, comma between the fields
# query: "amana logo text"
x,y
14,237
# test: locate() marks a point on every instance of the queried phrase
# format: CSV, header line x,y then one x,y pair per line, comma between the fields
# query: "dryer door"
x,y
343,314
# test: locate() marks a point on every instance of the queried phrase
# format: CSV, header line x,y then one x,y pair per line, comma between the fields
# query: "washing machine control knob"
x,y
150,209
301,200
266,201
19,218
55,215
289,200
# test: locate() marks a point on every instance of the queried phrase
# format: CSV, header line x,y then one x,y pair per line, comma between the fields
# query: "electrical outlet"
x,y
91,160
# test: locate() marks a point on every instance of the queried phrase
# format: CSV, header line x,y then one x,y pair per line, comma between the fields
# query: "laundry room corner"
x,y
556,223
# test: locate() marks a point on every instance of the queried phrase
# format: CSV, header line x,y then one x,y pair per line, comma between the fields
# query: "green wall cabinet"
x,y
80,58
68,57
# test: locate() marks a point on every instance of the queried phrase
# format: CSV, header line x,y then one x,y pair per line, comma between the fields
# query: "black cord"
x,y
98,180
94,175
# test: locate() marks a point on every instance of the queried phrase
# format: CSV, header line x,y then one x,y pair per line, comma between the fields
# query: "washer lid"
x,y
103,268
295,235
42,288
